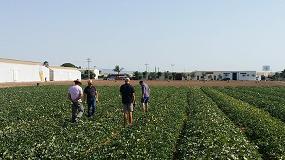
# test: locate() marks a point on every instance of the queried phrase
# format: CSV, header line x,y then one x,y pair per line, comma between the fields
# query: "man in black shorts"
x,y
128,99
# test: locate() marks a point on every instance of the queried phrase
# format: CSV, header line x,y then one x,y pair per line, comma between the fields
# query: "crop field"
x,y
182,123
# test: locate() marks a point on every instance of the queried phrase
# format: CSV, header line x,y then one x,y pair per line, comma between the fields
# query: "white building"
x,y
64,73
94,70
224,75
22,71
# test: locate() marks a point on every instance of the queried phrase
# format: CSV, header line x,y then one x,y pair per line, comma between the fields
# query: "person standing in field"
x,y
145,96
91,95
75,94
128,99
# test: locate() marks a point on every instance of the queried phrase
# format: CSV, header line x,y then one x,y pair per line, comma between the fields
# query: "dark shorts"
x,y
145,100
128,107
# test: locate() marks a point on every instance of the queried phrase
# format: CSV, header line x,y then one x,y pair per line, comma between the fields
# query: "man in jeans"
x,y
145,96
128,99
91,94
75,94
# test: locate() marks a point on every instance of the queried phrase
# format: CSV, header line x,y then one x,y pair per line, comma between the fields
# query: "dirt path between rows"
x,y
156,83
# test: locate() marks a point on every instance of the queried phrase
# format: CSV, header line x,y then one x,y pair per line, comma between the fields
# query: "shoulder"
x,y
79,88
70,88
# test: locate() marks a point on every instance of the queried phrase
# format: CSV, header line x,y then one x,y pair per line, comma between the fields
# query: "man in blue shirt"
x,y
145,96
128,99
91,94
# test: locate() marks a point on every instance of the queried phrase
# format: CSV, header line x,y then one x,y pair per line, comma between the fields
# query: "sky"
x,y
185,34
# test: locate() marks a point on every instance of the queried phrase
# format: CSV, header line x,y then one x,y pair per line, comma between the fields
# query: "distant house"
x,y
22,71
64,73
224,75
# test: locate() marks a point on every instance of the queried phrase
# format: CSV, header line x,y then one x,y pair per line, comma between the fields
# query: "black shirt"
x,y
90,92
127,91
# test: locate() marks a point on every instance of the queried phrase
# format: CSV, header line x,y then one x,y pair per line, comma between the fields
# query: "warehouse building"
x,y
224,75
27,71
64,73
21,71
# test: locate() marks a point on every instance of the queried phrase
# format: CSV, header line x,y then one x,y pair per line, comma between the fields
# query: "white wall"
x,y
97,73
13,72
64,74
241,75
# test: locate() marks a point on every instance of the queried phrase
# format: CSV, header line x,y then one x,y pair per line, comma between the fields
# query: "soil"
x,y
156,83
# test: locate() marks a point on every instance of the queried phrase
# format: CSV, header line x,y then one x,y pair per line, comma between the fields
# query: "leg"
x,y
74,113
89,111
80,110
125,119
93,108
130,118
146,107
143,107
130,113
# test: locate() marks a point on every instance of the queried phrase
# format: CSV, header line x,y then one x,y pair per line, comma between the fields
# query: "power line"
x,y
88,60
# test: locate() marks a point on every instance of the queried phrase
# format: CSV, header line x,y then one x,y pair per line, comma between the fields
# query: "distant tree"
x,y
138,75
167,75
84,75
282,74
68,65
203,75
152,75
145,74
173,74
46,64
192,75
118,70
220,77
184,75
159,74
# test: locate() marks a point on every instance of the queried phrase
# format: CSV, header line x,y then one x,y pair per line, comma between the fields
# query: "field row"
x,y
183,123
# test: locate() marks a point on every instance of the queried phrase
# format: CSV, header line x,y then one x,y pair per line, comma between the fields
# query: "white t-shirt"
x,y
75,91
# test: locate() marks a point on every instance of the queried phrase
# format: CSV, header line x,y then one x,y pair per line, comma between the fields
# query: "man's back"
x,y
127,91
145,90
75,91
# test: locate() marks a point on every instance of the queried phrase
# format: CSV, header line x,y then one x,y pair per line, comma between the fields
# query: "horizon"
x,y
179,36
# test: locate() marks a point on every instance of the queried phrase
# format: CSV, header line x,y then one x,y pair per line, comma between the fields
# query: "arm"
x,y
97,96
69,97
84,97
134,98
79,97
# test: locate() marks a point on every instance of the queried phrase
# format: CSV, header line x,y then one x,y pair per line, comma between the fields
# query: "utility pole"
x,y
146,69
88,69
172,65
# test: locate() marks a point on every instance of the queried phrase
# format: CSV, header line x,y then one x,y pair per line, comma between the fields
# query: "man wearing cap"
x,y
90,93
75,94
128,99
145,96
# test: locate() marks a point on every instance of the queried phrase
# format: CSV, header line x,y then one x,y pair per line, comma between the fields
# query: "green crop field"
x,y
183,123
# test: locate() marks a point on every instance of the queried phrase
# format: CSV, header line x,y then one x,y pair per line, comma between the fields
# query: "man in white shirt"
x,y
75,94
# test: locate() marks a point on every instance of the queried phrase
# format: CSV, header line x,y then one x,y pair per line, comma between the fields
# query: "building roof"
x,y
14,61
58,67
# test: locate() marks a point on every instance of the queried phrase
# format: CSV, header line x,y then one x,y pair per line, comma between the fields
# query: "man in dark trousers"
x,y
75,94
128,99
91,94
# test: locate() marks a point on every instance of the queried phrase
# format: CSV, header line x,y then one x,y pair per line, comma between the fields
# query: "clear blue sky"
x,y
192,34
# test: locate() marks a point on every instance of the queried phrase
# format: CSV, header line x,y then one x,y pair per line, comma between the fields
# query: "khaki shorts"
x,y
128,107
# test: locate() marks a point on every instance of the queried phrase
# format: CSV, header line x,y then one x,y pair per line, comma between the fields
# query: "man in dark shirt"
x,y
128,99
91,94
